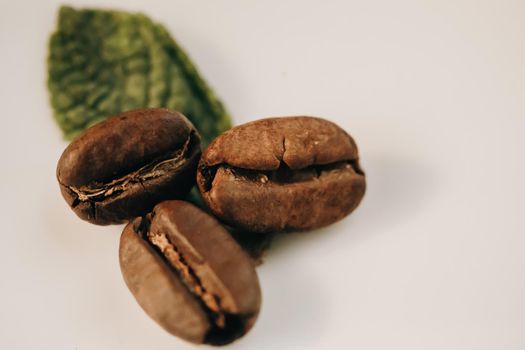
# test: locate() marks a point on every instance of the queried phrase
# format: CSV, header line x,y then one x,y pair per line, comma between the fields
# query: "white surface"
x,y
433,92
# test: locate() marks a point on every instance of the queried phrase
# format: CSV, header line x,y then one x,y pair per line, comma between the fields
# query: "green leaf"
x,y
104,62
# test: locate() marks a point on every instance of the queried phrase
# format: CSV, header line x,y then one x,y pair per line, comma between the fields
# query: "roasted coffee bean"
x,y
120,168
189,275
282,174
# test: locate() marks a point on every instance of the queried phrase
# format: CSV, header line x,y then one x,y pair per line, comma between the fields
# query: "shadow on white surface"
x,y
398,188
293,313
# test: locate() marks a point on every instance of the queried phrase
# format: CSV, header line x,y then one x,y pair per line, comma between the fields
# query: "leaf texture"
x,y
105,62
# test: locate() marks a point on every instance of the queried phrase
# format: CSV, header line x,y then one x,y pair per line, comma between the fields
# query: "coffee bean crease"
x,y
189,277
157,168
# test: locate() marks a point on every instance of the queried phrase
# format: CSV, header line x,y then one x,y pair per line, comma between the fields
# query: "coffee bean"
x,y
282,174
120,168
189,275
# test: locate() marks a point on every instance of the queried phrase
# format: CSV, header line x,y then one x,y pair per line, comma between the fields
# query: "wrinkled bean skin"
x,y
120,168
282,174
188,274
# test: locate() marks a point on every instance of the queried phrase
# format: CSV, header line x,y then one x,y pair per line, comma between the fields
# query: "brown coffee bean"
x,y
189,275
120,168
282,174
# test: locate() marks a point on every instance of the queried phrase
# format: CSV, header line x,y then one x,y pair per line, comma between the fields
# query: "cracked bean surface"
x,y
282,174
120,168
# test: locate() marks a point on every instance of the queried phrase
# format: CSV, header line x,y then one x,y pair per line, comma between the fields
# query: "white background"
x,y
434,94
